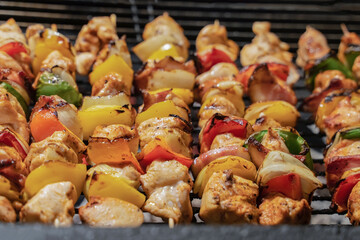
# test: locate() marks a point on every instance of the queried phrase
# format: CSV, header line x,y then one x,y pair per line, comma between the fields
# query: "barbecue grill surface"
x,y
288,19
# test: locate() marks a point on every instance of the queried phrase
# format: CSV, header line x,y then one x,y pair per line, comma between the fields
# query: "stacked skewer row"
x,y
252,166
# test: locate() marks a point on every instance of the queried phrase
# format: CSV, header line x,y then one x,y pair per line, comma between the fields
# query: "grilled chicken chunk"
x,y
118,47
354,205
60,146
55,58
110,212
12,115
229,199
167,185
175,131
263,44
92,37
7,212
264,122
109,85
278,209
53,204
273,141
227,139
220,70
166,25
349,38
217,104
215,36
312,46
10,153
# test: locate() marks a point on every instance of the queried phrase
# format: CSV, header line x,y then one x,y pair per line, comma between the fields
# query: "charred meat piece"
x,y
61,146
354,205
167,185
7,212
229,199
175,131
312,46
110,212
53,204
278,209
109,85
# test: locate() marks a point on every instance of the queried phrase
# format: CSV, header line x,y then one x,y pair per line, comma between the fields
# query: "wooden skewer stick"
x,y
344,29
171,223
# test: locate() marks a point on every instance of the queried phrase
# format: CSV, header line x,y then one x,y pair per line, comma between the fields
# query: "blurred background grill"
x,y
288,18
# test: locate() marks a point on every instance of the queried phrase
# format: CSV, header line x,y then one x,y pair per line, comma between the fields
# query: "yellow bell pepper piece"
x,y
240,167
161,109
53,172
48,42
280,111
97,115
165,50
115,64
6,191
106,185
185,94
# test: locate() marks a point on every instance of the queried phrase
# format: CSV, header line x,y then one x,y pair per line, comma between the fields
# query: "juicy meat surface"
x,y
109,85
175,132
53,204
273,141
312,46
55,58
229,199
7,212
12,115
167,185
226,139
278,209
60,146
110,212
354,205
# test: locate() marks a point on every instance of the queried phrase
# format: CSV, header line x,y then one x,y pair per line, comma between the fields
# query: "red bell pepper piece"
x,y
288,184
342,192
244,75
9,139
279,70
220,124
13,48
213,57
159,151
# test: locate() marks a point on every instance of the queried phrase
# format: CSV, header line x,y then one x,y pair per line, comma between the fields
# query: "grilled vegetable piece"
x,y
110,212
172,131
312,46
220,124
12,114
167,185
239,167
229,199
277,209
107,182
286,140
278,163
166,73
162,30
211,155
52,113
55,171
53,204
280,111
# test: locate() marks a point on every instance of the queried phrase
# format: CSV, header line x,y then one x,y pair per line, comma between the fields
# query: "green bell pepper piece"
x,y
351,54
351,134
50,84
329,63
295,143
17,95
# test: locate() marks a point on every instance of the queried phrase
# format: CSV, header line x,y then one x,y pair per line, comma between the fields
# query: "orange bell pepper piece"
x,y
44,123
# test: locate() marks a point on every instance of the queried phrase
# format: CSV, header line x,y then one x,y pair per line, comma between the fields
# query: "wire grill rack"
x,y
289,20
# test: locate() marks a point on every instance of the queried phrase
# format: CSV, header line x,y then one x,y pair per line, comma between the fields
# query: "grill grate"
x,y
288,18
